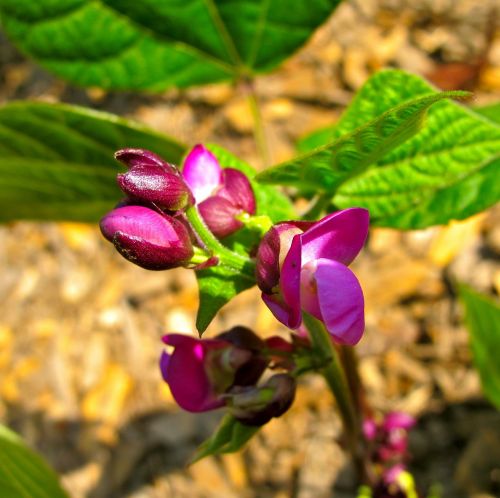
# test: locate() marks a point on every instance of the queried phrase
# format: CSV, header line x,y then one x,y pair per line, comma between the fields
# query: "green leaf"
x,y
491,111
23,473
229,437
483,322
447,171
333,164
155,44
56,161
218,285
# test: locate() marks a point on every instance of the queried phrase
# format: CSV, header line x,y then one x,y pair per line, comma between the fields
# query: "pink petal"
x,y
202,172
341,301
277,307
338,236
238,190
290,281
184,371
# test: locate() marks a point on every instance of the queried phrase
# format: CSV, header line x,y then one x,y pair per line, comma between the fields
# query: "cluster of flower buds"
x,y
302,266
204,374
149,227
388,448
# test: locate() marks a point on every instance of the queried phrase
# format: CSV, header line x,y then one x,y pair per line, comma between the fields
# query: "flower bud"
x,y
258,404
149,239
153,180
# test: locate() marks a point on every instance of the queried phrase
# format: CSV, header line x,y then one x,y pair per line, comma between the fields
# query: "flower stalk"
x,y
226,257
337,381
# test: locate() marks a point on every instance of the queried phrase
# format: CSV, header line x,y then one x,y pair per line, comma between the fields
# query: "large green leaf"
x,y
155,44
56,161
447,171
483,321
23,473
230,436
327,167
218,285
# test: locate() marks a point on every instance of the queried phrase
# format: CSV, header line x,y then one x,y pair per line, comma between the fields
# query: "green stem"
x,y
336,379
258,123
226,257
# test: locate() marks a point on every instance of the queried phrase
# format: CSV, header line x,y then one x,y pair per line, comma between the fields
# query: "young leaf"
x,y
218,285
447,171
155,44
483,322
229,437
56,160
23,473
333,164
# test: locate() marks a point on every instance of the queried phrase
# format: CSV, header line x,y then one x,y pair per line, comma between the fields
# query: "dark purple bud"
x,y
153,180
243,338
258,404
220,216
149,239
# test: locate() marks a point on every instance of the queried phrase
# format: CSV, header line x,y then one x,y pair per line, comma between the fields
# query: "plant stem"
x,y
258,123
336,379
350,362
226,256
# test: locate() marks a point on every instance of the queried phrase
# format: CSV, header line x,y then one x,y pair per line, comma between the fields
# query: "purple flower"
x,y
152,180
200,371
221,194
302,266
149,239
389,437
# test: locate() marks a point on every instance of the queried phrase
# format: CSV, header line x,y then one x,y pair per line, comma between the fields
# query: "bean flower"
x,y
220,193
302,266
205,374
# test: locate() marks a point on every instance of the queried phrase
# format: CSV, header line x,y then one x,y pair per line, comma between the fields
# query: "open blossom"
x,y
302,266
205,374
152,240
200,371
220,193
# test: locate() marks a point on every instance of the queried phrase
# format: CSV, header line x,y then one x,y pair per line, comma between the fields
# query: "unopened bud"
x,y
152,180
149,239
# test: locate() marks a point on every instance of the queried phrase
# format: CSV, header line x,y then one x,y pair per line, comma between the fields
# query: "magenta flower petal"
x,y
238,190
220,216
277,307
338,236
398,420
341,301
202,173
184,371
290,282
